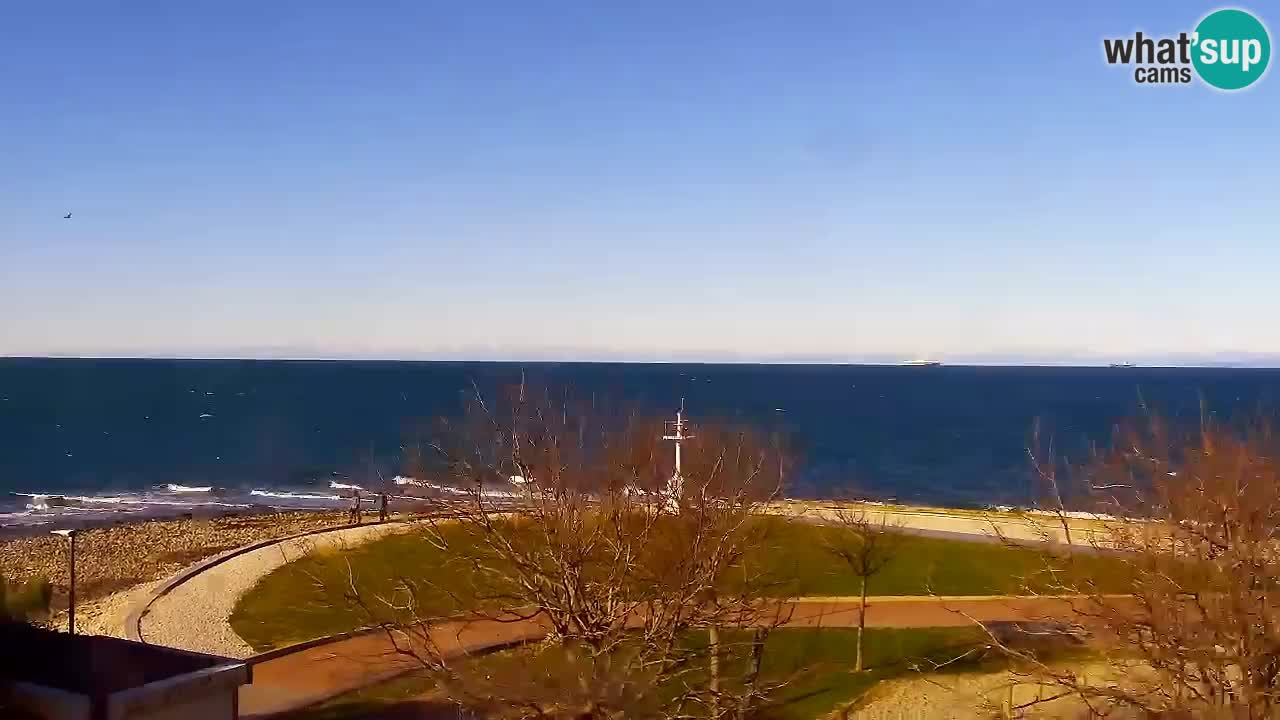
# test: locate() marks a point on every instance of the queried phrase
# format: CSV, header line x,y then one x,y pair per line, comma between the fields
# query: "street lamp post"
x,y
71,589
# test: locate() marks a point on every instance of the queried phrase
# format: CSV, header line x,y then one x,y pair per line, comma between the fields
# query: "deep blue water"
x,y
126,429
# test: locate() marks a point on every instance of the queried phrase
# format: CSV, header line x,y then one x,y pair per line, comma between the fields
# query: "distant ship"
x,y
1122,365
922,363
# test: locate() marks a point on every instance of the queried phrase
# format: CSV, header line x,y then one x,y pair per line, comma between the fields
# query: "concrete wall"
x,y
49,703
214,706
206,695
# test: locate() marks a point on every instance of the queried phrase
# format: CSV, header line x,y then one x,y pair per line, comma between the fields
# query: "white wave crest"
x,y
68,503
343,486
174,488
287,495
23,519
488,492
1073,514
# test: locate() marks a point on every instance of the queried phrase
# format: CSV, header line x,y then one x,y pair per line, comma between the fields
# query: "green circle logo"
x,y
1232,49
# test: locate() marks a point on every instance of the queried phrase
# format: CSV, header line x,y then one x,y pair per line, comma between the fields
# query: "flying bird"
x,y
67,216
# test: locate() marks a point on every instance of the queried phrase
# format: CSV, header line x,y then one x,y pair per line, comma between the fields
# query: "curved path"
x,y
191,611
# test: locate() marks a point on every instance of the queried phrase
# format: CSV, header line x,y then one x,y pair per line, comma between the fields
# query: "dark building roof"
x,y
90,665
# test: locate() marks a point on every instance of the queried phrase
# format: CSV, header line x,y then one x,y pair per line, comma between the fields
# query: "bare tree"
x,y
561,521
866,547
1185,622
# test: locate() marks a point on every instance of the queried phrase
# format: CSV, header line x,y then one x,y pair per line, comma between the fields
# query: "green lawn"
x,y
310,598
813,662
820,662
814,667
920,566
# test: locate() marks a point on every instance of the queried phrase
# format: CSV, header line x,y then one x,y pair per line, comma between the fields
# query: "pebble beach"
x,y
113,559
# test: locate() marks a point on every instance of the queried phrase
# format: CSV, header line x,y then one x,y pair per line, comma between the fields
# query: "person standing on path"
x,y
355,507
382,508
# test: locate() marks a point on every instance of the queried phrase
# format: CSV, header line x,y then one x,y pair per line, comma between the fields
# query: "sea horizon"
x,y
1269,364
124,437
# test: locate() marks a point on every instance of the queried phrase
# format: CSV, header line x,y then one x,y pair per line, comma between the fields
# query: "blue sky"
x,y
666,181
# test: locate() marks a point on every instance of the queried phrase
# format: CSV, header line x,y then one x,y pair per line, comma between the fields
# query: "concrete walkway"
x,y
977,525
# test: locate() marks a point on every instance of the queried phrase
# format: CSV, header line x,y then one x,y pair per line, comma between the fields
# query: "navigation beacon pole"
x,y
675,486
675,489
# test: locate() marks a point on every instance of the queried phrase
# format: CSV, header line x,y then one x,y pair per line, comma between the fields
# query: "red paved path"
x,y
317,674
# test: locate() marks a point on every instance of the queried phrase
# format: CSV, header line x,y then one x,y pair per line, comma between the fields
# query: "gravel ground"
x,y
977,696
194,616
114,558
106,615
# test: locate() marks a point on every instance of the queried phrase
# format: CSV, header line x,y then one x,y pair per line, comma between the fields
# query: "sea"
x,y
85,440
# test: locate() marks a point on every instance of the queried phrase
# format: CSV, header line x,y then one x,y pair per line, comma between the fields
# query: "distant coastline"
x,y
1262,361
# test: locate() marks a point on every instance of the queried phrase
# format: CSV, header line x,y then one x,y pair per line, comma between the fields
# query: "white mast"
x,y
675,486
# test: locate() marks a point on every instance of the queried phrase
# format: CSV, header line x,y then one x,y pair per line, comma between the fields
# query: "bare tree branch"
x,y
560,517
